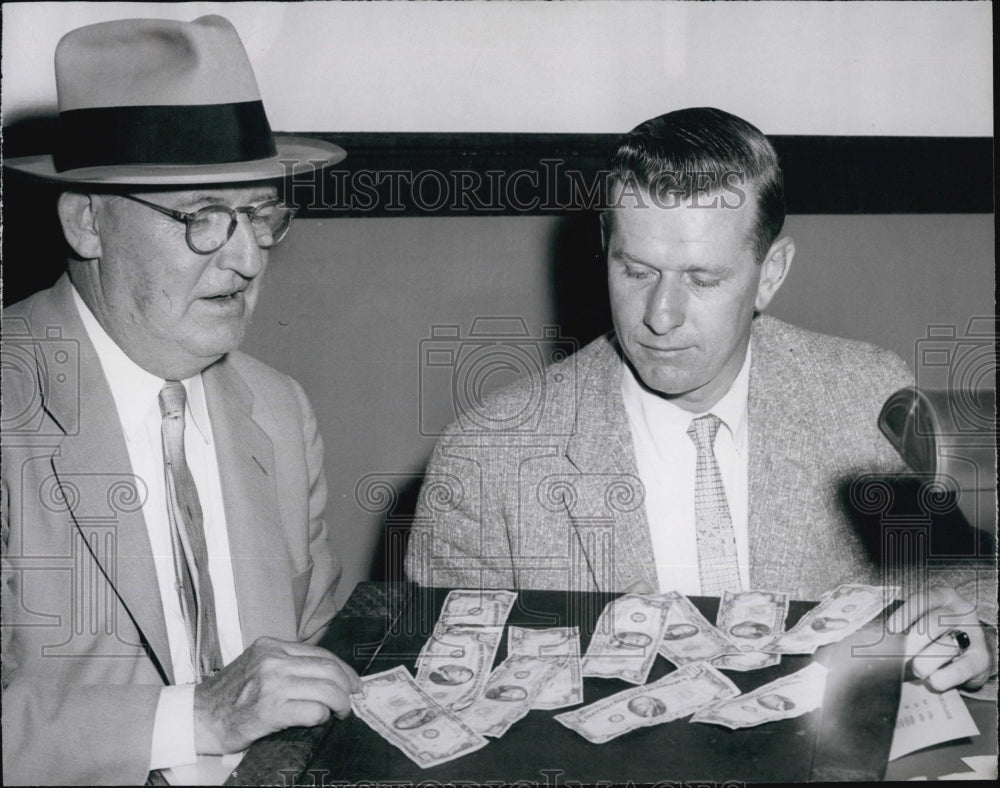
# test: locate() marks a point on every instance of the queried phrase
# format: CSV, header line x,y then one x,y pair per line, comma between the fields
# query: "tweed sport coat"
x,y
85,649
539,488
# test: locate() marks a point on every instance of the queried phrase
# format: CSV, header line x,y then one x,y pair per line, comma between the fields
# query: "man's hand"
x,y
929,618
271,686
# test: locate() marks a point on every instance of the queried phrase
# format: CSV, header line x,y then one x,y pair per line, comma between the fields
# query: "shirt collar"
x,y
135,390
732,408
657,410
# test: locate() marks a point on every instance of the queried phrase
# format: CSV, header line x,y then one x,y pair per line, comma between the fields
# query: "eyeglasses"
x,y
209,228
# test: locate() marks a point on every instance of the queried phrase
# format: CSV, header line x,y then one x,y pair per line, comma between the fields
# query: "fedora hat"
x,y
164,103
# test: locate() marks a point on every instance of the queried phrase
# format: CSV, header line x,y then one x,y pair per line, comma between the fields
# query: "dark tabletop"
x,y
384,625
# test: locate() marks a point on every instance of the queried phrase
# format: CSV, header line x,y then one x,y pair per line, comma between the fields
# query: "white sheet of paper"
x,y
987,764
926,718
208,770
964,776
984,767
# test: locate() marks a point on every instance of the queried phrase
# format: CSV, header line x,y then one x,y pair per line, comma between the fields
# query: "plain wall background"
x,y
881,68
348,301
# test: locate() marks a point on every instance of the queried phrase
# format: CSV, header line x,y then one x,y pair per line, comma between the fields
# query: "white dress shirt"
x,y
136,395
665,456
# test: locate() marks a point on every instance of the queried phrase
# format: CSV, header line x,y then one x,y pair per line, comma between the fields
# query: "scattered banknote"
x,y
397,709
751,619
789,696
840,613
455,663
566,687
674,696
626,637
510,692
476,608
689,637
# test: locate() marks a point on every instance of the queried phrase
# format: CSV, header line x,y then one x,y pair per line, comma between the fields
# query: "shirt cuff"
x,y
173,728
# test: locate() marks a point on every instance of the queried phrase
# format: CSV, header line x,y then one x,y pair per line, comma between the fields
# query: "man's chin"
x,y
667,390
210,354
681,391
216,337
660,381
203,354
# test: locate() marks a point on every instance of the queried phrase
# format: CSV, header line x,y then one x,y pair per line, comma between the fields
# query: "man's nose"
x,y
241,252
667,305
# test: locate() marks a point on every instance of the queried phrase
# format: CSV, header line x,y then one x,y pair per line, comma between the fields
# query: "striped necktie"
x,y
717,566
187,533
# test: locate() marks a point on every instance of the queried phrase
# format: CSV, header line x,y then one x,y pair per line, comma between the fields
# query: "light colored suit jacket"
x,y
539,487
84,641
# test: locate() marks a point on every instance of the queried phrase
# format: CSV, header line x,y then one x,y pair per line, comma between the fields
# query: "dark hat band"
x,y
159,134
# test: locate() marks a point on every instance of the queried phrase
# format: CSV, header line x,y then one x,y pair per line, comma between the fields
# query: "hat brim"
x,y
296,155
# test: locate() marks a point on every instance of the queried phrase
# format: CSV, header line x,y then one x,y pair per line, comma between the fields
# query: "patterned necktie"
x,y
187,533
717,565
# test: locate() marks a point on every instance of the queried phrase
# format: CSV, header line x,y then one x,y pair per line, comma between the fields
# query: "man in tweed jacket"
x,y
557,482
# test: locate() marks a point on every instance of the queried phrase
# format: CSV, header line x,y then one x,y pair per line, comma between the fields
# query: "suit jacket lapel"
x,y
247,472
95,475
779,413
601,448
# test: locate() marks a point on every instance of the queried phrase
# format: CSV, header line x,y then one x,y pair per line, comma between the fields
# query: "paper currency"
x,y
455,664
751,619
674,696
689,637
404,715
510,693
566,687
789,696
840,613
477,608
626,637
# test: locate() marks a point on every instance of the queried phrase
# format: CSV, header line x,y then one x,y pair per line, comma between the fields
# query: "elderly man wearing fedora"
x,y
166,569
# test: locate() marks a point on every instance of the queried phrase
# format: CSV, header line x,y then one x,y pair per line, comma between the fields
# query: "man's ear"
x,y
78,216
774,269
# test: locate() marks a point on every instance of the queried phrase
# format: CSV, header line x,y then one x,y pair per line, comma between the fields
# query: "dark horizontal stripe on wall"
x,y
530,174
503,174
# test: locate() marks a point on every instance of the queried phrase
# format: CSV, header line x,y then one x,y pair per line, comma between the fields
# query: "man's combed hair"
x,y
703,151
